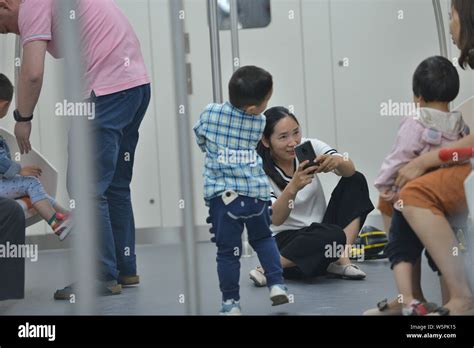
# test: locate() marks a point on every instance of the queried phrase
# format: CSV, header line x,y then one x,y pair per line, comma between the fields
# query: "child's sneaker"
x,y
230,307
65,226
279,294
258,277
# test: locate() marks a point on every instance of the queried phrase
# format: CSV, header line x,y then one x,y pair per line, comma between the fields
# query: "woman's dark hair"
x,y
273,115
465,9
436,79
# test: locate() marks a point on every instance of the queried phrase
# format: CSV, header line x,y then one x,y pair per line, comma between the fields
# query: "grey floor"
x,y
160,268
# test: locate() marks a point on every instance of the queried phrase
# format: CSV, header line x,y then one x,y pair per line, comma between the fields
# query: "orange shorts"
x,y
441,191
385,207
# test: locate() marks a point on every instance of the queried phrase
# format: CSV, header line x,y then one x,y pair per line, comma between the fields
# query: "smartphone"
x,y
305,152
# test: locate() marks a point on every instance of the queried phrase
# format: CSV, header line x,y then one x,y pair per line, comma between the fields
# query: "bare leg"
x,y
45,209
403,273
417,293
387,221
285,263
416,281
444,290
351,231
408,279
437,236
60,209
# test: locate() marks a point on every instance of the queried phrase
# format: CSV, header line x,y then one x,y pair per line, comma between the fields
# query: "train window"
x,y
252,14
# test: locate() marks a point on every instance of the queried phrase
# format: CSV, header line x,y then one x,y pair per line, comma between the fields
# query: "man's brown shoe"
x,y
130,280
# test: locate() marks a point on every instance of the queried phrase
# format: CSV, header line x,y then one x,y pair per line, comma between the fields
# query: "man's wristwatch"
x,y
18,118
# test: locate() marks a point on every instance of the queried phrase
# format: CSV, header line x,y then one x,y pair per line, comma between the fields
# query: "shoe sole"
x,y
132,281
65,232
256,282
67,296
129,285
334,275
231,314
387,312
279,300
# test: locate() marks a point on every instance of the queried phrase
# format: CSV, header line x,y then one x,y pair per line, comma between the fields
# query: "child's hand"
x,y
389,196
31,171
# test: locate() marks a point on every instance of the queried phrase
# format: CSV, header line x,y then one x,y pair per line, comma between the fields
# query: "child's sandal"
x,y
417,308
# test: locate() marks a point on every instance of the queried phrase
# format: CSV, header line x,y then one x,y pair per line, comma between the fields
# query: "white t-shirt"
x,y
310,204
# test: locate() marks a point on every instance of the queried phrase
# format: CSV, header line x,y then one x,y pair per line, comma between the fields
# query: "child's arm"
x,y
429,160
200,134
407,147
8,168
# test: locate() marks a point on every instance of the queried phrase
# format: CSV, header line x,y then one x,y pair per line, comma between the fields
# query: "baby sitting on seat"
x,y
17,181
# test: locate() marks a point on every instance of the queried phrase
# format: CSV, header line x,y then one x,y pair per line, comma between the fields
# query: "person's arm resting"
x,y
281,207
432,160
31,76
345,168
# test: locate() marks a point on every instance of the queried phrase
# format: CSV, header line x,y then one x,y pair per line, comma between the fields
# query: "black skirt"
x,y
308,247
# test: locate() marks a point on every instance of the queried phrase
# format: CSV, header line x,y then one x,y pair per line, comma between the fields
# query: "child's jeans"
x,y
227,224
21,186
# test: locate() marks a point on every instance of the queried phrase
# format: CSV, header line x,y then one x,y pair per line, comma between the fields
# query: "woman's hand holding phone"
x,y
328,163
302,176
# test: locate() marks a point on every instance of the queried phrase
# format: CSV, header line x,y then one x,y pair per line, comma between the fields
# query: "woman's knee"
x,y
357,179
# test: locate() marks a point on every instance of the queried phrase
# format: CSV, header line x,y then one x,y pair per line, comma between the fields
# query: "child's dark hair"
x,y
249,86
6,89
436,79
273,115
465,9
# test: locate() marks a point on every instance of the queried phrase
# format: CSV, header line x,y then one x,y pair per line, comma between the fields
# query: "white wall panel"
x,y
383,53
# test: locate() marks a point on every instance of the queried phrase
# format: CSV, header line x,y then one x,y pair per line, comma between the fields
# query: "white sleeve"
x,y
273,197
321,148
273,193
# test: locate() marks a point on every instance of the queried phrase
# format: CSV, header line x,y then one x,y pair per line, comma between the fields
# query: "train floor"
x,y
162,286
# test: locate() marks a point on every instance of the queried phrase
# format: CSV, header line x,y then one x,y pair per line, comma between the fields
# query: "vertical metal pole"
x,y
80,170
443,47
234,32
18,51
185,160
247,250
215,52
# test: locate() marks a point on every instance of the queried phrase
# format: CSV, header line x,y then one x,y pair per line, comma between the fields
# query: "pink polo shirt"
x,y
110,49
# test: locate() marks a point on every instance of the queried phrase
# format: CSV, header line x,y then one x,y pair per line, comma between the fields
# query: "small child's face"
x,y
4,105
259,109
455,26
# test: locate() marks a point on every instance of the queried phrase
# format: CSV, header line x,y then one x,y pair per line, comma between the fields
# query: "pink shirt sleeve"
x,y
35,20
408,145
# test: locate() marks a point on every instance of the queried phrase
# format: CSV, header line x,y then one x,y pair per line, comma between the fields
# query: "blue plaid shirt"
x,y
229,137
